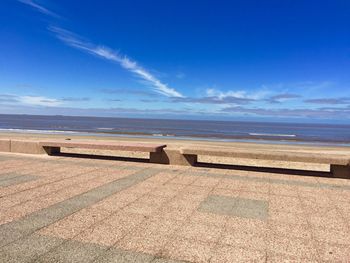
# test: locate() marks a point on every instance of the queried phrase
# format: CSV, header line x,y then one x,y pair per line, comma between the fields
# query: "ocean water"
x,y
208,130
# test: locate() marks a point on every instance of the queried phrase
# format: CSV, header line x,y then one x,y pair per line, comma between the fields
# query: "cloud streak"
x,y
39,101
39,8
214,96
295,113
137,92
36,104
125,62
214,100
239,94
74,99
283,97
8,98
329,101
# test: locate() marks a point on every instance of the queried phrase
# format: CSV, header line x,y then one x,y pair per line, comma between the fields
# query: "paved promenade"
x,y
59,209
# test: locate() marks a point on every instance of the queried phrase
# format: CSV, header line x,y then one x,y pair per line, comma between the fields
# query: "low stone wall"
x,y
5,145
21,146
174,156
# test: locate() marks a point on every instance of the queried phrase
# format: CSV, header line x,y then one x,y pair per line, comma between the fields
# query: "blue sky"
x,y
229,60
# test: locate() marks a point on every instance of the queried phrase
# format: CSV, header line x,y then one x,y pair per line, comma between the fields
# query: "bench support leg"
x,y
340,171
52,150
173,157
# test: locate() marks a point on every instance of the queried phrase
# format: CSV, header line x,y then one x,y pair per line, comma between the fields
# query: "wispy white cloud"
x,y
292,87
76,41
8,98
330,101
230,97
39,8
282,97
229,100
241,94
321,113
15,99
39,101
312,85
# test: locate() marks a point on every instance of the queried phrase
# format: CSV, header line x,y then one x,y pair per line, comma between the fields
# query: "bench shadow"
x,y
264,169
201,165
101,157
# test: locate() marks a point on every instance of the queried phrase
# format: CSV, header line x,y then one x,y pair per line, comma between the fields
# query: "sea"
x,y
230,131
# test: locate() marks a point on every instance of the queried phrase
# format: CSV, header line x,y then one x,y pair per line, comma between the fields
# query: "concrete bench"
x,y
54,146
339,163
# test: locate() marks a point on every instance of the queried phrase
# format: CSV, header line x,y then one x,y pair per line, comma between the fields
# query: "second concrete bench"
x,y
339,163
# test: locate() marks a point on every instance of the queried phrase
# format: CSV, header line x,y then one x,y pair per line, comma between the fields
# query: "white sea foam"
x,y
272,134
37,131
157,134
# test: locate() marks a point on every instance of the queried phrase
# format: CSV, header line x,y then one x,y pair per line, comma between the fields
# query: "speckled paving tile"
x,y
6,176
28,249
226,253
294,247
333,236
245,239
294,181
286,204
72,251
166,260
208,219
329,252
75,223
144,243
47,216
188,250
61,191
36,248
290,230
17,180
43,181
240,207
121,256
200,232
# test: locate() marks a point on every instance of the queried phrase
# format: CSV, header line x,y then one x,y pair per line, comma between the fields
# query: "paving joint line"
x,y
134,178
71,239
31,199
274,181
53,192
159,254
18,180
55,181
114,245
306,216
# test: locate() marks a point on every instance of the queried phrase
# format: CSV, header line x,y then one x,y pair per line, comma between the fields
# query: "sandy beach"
x,y
178,143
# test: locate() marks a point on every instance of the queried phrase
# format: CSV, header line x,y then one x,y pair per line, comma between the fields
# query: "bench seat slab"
x,y
120,146
337,159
